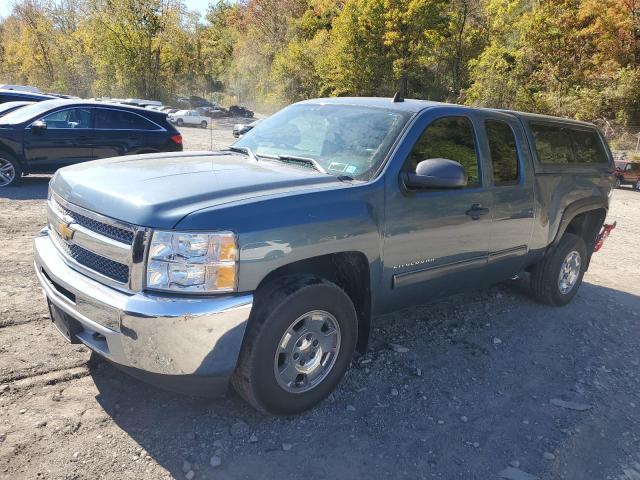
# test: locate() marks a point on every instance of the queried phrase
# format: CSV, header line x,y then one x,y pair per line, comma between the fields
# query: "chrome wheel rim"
x,y
307,351
7,172
569,272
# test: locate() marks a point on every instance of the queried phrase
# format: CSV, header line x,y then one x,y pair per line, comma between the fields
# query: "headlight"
x,y
192,262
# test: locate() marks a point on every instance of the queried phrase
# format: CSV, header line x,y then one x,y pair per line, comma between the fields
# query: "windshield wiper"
x,y
246,150
296,159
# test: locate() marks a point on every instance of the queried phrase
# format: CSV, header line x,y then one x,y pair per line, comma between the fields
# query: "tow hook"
x,y
603,235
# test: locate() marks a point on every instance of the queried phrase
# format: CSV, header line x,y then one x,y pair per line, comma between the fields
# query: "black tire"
x,y
203,124
179,122
618,183
5,160
545,275
277,306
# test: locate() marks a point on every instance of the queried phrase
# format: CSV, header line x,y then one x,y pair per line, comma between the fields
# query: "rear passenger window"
x,y
451,138
504,154
562,144
588,147
121,120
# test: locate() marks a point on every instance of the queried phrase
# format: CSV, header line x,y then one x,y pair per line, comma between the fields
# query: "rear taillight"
x,y
177,139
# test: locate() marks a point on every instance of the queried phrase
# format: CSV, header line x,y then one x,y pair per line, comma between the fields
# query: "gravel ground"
x,y
482,385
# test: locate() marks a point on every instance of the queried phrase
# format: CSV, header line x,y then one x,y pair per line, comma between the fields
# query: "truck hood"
x,y
158,190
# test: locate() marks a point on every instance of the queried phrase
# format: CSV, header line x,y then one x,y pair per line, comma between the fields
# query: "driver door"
x,y
67,139
436,242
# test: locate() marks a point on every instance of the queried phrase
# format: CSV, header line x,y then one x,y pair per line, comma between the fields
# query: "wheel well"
x,y
348,270
587,225
6,151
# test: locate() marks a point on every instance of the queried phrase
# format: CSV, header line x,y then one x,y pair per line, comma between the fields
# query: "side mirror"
x,y
38,126
437,173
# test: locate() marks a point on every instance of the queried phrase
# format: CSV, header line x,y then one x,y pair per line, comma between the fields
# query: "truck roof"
x,y
415,105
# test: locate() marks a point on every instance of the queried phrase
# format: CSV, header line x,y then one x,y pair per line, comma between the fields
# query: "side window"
x,y
112,119
553,143
451,138
69,118
504,154
557,144
588,146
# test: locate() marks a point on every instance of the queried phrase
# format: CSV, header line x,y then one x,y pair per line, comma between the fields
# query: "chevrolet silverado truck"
x,y
264,266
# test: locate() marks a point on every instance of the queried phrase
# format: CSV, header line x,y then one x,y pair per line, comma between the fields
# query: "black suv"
x,y
51,134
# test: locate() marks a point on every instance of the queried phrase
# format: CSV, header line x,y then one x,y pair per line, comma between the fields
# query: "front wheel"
x,y
10,171
298,345
618,183
556,278
179,122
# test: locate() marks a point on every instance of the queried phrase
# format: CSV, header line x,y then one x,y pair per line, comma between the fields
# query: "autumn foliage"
x,y
576,58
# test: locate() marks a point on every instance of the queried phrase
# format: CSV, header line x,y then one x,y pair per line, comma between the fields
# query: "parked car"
x,y
188,117
239,129
48,135
238,111
210,112
22,96
627,173
197,102
141,102
8,107
267,265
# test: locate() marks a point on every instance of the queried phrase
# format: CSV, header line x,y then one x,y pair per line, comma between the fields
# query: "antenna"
x,y
397,98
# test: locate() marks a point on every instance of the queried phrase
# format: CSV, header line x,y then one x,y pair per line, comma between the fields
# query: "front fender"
x,y
278,230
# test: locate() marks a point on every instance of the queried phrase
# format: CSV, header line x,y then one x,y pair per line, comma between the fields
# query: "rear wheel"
x,y
10,171
556,278
618,182
203,124
298,345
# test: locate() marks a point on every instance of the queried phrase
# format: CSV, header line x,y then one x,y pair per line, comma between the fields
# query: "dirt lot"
x,y
479,389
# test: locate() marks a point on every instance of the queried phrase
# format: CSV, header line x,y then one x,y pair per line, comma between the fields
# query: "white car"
x,y
188,117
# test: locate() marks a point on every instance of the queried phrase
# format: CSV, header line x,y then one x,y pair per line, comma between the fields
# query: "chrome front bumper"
x,y
189,344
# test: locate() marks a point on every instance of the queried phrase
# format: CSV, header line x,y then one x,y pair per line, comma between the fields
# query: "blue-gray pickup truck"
x,y
263,266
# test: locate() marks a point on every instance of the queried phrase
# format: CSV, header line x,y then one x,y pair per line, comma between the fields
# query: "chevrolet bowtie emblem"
x,y
65,231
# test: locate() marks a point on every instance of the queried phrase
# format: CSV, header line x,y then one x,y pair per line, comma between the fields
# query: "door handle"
x,y
476,211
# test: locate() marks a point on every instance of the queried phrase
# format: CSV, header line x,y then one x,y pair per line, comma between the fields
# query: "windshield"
x,y
25,113
343,139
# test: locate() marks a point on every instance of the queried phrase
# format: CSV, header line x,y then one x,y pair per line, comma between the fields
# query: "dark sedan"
x,y
45,136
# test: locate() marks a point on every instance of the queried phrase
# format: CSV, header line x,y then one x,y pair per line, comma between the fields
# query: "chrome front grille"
x,y
98,246
111,231
109,268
